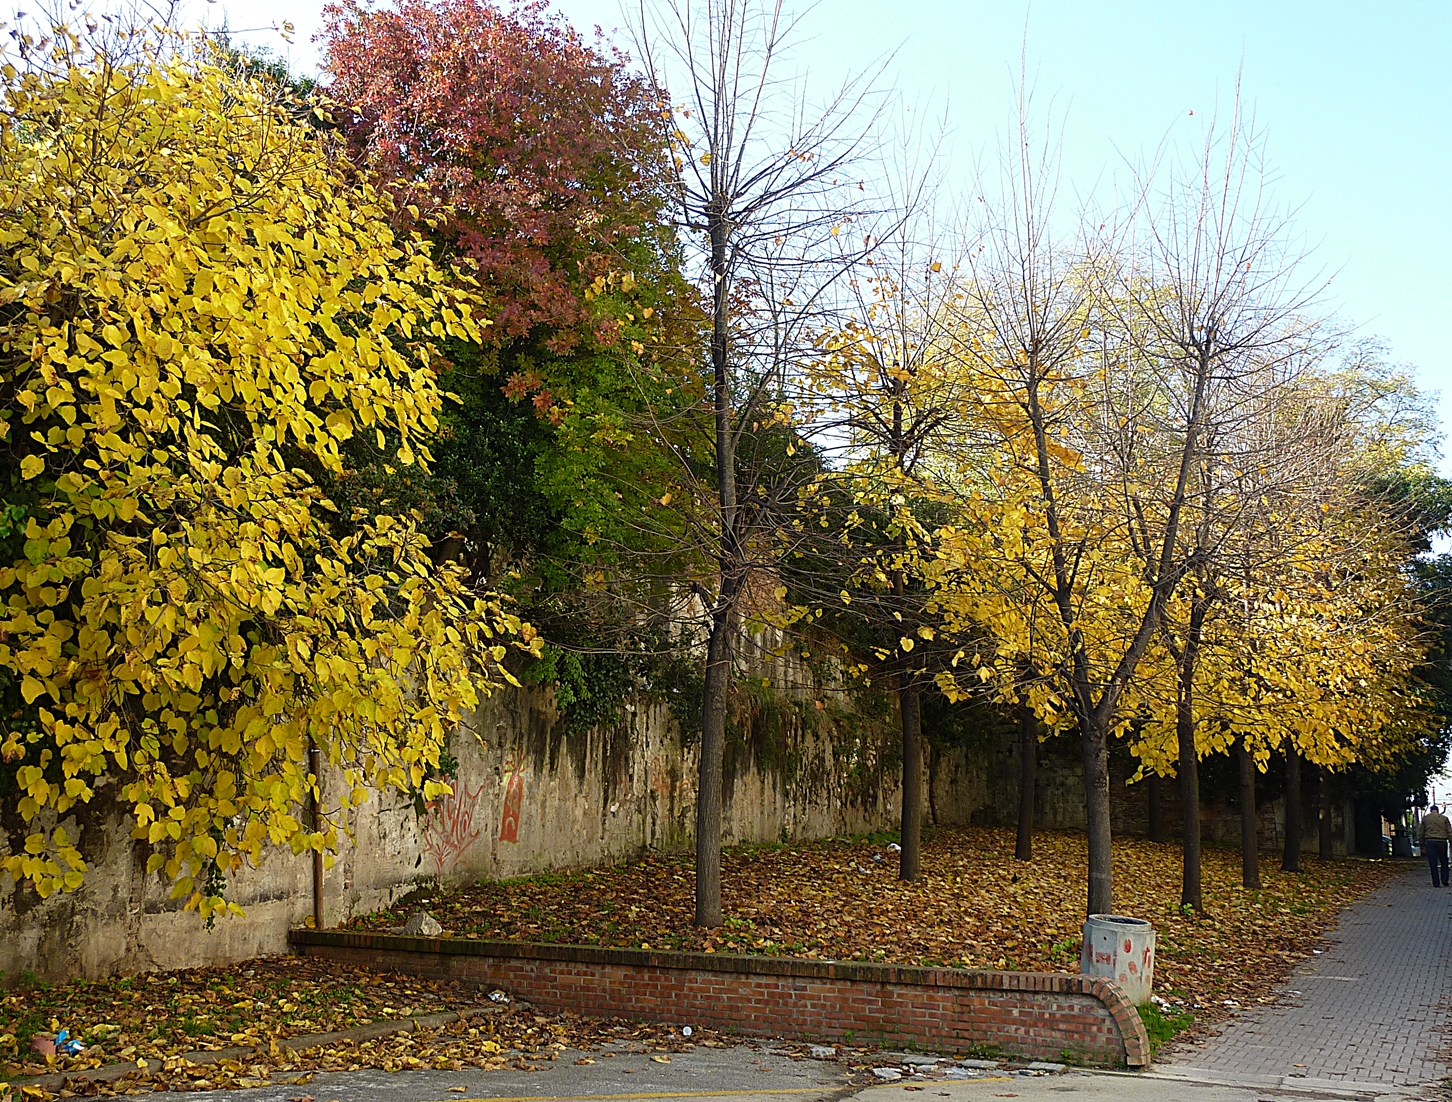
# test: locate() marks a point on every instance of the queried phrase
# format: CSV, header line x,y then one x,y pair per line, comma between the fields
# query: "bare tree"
x,y
889,407
1025,303
1280,456
1271,447
764,186
1266,456
1213,304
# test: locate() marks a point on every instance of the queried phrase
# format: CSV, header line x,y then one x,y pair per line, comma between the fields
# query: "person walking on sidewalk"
x,y
1435,834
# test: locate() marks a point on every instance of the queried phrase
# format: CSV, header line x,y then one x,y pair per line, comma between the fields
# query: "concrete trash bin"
x,y
1123,950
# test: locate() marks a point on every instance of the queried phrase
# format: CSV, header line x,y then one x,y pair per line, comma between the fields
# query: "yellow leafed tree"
x,y
1318,653
198,300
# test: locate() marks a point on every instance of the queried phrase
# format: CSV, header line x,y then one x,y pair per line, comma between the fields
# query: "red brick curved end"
x,y
1041,1015
1131,1026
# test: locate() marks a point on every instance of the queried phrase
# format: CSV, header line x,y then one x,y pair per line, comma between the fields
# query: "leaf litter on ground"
x,y
974,907
839,899
158,1018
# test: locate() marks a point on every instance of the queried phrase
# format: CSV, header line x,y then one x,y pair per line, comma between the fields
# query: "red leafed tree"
x,y
539,142
542,154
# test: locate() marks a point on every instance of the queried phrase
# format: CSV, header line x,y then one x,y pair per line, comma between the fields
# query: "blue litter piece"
x,y
68,1045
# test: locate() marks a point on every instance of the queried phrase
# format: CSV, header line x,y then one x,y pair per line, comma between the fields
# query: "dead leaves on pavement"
x,y
159,1017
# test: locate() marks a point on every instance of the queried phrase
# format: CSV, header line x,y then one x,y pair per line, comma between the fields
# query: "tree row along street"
x,y
497,363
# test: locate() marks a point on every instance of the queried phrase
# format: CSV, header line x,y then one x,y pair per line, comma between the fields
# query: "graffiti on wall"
x,y
514,774
448,827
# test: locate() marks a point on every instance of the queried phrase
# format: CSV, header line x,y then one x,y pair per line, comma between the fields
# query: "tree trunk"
x,y
910,860
481,561
713,748
719,652
1323,791
1028,750
1249,842
1096,814
447,549
1291,858
315,767
1190,895
909,697
1156,808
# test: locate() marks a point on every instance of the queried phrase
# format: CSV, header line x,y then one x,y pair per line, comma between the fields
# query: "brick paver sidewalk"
x,y
1372,1009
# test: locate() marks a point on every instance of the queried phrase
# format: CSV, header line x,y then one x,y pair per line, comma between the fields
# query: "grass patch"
x,y
985,1052
1160,1026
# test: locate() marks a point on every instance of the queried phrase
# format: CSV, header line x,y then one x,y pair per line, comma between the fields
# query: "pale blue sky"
x,y
1355,99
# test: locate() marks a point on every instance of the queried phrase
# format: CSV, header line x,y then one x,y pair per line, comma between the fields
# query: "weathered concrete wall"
x,y
526,798
800,763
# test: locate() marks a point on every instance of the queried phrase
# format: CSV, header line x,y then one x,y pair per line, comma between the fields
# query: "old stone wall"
x,y
527,797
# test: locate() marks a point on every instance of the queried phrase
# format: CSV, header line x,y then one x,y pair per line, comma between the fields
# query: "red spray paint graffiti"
x,y
449,829
513,801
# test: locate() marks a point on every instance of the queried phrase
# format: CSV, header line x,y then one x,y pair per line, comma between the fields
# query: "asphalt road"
x,y
761,1073
746,1072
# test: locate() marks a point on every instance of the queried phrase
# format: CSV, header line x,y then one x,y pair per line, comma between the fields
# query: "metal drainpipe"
x,y
315,764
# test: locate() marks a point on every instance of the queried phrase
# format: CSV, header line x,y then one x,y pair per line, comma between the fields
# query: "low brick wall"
x,y
1035,1014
